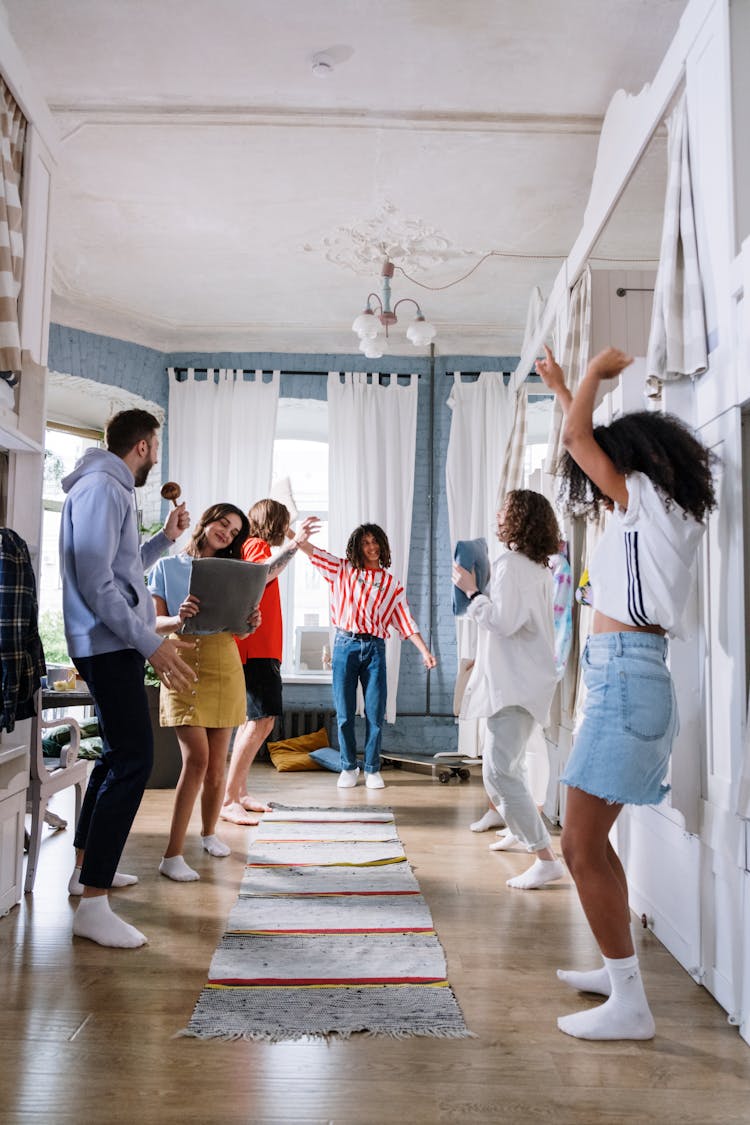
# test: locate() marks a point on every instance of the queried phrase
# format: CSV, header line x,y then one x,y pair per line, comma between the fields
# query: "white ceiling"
x,y
215,194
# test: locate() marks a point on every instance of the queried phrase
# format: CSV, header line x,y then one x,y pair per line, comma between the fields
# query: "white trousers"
x,y
504,775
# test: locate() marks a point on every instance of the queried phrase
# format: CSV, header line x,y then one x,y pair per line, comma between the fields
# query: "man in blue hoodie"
x,y
109,627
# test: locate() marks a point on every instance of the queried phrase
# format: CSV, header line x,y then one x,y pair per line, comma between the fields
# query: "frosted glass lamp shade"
x,y
420,332
366,325
372,349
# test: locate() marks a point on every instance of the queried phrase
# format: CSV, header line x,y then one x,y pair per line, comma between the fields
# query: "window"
x,y
538,422
301,455
63,446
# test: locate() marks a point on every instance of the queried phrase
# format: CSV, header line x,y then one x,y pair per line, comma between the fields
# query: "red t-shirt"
x,y
267,641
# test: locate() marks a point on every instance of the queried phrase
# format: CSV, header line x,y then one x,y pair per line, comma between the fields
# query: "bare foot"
x,y
235,813
251,806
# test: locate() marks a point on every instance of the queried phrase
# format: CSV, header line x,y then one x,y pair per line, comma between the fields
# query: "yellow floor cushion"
x,y
294,753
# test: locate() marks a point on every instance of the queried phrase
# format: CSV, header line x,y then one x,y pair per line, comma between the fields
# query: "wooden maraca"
x,y
171,491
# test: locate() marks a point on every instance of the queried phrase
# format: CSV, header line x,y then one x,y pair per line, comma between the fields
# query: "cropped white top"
x,y
642,568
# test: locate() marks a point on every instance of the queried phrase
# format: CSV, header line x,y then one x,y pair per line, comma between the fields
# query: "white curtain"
x,y
512,472
221,432
677,340
372,447
481,422
534,314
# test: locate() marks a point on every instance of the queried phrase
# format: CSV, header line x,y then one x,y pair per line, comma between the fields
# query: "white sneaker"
x,y
348,779
374,781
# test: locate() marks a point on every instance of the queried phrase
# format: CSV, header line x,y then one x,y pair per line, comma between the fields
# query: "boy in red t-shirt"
x,y
261,653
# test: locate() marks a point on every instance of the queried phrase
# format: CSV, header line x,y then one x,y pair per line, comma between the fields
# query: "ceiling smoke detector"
x,y
322,65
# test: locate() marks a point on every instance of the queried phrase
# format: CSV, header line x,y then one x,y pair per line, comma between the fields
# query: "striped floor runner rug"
x,y
330,936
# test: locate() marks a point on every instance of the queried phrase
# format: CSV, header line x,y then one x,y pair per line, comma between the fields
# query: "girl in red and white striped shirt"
x,y
366,602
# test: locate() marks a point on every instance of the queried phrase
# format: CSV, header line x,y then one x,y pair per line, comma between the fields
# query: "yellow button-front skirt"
x,y
217,699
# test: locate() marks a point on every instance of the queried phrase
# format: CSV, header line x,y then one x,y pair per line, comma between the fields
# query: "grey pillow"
x,y
472,554
330,759
228,591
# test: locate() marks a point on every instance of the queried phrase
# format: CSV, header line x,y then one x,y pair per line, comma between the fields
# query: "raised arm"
x,y
177,521
298,541
578,410
553,377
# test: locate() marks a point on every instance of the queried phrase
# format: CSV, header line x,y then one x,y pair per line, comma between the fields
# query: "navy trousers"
x,y
118,780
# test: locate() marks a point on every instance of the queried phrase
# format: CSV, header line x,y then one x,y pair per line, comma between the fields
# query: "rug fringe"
x,y
281,1036
278,806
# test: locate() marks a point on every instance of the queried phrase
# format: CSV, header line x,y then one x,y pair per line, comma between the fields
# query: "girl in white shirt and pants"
x,y
514,675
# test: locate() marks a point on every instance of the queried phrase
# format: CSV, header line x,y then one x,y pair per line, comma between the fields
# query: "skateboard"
x,y
445,766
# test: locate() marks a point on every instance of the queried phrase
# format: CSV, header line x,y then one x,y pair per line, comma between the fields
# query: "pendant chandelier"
x,y
378,312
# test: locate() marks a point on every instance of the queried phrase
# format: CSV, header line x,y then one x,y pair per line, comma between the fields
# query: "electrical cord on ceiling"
x,y
513,255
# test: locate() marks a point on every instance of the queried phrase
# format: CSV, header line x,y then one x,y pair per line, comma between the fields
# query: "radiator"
x,y
297,721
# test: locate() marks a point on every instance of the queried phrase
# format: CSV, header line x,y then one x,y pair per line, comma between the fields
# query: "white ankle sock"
x,y
75,886
595,980
626,1015
505,841
176,868
95,920
491,819
216,847
542,871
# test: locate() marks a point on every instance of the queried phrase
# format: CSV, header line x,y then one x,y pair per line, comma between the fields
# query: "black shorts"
x,y
263,687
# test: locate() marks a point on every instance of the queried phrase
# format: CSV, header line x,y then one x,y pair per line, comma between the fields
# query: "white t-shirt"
x,y
642,568
515,663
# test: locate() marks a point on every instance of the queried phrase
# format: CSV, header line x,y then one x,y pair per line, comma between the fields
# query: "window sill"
x,y
305,677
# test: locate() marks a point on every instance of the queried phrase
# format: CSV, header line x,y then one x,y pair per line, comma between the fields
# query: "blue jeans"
x,y
356,659
117,782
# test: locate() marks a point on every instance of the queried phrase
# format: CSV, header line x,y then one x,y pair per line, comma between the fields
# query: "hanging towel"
x,y
677,340
563,610
575,358
472,554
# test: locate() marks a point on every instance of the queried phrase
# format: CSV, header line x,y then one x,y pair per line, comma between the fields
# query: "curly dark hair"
x,y
529,525
269,520
211,515
661,447
354,546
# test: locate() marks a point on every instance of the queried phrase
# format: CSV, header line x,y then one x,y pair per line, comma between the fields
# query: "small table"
x,y
65,699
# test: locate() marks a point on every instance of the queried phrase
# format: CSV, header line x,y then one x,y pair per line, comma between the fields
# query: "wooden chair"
x,y
49,777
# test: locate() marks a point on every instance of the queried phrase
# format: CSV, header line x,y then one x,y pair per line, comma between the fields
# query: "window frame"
x,y
290,674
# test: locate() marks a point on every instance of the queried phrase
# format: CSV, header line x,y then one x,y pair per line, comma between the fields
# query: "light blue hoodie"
x,y
106,605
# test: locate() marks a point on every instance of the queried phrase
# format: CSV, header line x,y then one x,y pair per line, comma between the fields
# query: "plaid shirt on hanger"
x,y
21,655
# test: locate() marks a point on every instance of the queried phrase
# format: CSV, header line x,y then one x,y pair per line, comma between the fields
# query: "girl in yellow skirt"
x,y
205,715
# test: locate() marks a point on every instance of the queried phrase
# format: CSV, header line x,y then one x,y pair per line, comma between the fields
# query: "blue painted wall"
x,y
425,721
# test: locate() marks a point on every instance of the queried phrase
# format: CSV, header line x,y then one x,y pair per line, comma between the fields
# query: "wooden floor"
x,y
86,1033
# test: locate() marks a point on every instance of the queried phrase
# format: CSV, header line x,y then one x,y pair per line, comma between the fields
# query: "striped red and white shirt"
x,y
363,600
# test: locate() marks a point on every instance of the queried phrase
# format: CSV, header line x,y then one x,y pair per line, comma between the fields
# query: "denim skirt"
x,y
629,720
